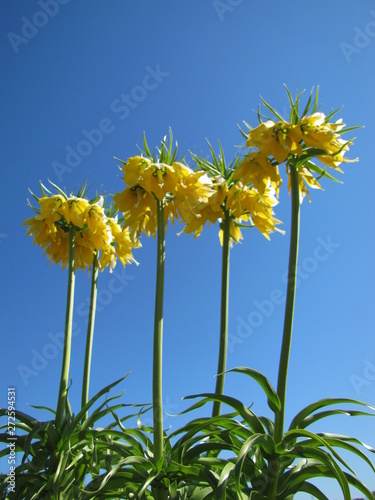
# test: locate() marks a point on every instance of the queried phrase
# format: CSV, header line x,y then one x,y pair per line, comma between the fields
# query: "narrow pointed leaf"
x,y
308,410
272,397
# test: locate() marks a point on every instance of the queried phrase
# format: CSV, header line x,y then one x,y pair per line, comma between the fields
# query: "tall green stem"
x,y
90,333
222,363
64,379
158,337
288,325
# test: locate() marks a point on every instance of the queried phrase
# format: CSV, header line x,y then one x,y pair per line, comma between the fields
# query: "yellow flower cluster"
x,y
243,204
316,132
313,135
247,204
176,185
256,169
96,234
274,139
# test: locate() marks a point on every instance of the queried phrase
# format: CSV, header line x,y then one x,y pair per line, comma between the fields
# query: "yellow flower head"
x,y
206,211
74,211
49,209
134,169
57,250
256,169
274,139
148,181
50,228
97,226
156,178
315,132
306,137
247,204
123,245
192,185
139,209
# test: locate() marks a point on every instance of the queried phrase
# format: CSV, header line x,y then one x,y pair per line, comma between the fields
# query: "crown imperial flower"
x,y
96,233
150,180
299,141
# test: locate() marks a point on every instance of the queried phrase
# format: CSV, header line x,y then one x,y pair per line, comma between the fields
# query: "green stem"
x,y
288,325
62,402
90,333
158,337
219,390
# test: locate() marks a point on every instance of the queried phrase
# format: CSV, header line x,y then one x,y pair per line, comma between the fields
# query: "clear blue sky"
x,y
81,82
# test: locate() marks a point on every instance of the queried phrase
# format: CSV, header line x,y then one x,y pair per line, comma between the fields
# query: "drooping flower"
x,y
274,139
209,210
305,138
245,203
121,247
315,131
139,209
257,169
94,235
74,210
174,184
305,179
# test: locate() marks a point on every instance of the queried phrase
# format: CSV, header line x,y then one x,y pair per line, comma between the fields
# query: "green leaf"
x,y
23,417
293,107
147,150
250,418
308,104
57,189
201,493
316,100
261,441
306,469
272,397
312,490
325,459
311,419
224,476
103,391
354,481
45,191
298,420
349,129
332,113
344,442
268,106
322,172
244,135
45,408
316,440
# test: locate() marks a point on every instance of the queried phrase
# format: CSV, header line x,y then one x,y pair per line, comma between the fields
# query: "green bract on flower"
x,y
308,136
96,232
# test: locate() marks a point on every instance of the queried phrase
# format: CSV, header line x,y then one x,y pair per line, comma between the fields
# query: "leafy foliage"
x,y
302,455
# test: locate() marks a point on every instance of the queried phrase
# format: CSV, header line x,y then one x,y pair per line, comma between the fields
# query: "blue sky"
x,y
81,83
